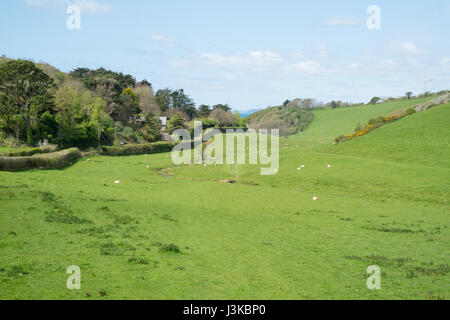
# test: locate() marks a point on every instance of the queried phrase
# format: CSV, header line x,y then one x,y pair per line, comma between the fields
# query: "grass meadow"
x,y
176,232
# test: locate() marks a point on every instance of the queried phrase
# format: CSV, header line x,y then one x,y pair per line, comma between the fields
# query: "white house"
x,y
163,121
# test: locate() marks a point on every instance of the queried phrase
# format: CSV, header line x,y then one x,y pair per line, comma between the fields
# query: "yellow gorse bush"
x,y
379,122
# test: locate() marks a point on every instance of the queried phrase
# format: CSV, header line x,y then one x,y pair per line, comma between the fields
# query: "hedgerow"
x,y
136,149
31,151
40,161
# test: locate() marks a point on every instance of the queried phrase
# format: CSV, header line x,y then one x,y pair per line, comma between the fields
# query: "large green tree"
x,y
375,100
176,122
25,88
7,113
224,107
183,102
204,110
163,99
151,131
79,118
177,100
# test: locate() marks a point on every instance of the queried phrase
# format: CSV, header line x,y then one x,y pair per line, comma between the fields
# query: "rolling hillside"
x,y
176,232
289,120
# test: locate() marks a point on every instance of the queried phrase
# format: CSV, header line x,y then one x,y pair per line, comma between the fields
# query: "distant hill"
x,y
246,113
51,71
289,120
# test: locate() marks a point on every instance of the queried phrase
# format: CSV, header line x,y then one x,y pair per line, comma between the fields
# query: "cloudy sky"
x,y
249,53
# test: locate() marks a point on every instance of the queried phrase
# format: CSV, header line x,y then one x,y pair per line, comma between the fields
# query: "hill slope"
x,y
329,123
422,138
288,120
382,202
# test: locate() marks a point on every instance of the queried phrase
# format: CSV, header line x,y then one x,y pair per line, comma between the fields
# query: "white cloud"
x,y
388,62
92,7
253,58
164,40
36,3
230,77
297,54
354,66
322,50
178,63
343,21
308,67
87,6
408,48
445,63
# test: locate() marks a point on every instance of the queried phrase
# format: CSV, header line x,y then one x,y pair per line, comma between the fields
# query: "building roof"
x,y
163,121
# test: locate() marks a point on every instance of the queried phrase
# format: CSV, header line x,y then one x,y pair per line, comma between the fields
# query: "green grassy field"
x,y
384,201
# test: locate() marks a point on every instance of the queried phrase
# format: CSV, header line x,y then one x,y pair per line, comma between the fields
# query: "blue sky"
x,y
248,54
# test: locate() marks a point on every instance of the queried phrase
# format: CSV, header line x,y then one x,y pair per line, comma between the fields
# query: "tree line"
x,y
75,109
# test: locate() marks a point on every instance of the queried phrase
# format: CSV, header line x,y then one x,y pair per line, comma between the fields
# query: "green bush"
x,y
176,122
224,129
30,152
410,111
206,123
169,248
136,149
40,161
340,139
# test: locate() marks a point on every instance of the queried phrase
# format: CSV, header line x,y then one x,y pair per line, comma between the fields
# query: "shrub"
x,y
169,248
136,260
116,249
410,111
206,122
30,152
40,161
176,122
224,129
376,121
339,139
136,149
